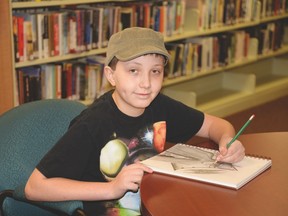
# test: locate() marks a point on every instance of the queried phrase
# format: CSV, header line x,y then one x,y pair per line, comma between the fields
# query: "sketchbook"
x,y
198,164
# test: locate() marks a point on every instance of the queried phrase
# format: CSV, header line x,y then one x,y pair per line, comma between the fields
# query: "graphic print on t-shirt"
x,y
120,152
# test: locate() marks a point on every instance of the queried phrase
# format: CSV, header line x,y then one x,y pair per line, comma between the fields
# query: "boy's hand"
x,y
129,179
233,154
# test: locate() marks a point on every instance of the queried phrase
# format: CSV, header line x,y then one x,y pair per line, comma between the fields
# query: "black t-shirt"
x,y
77,154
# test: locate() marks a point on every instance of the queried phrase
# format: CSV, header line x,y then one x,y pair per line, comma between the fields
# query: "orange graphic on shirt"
x,y
159,138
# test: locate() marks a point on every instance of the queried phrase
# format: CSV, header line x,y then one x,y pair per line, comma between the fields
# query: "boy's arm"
x,y
221,132
41,188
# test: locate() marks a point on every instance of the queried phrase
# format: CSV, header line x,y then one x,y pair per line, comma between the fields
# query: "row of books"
x,y
273,7
214,13
188,56
75,80
202,54
84,79
54,33
44,33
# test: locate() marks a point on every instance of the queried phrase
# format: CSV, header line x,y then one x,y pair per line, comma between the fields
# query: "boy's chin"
x,y
143,104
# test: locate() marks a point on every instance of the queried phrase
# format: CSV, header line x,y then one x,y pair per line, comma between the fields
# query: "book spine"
x,y
46,36
64,82
51,35
21,38
69,80
61,34
55,17
65,34
15,38
58,78
78,32
20,81
34,36
29,41
72,32
95,28
40,31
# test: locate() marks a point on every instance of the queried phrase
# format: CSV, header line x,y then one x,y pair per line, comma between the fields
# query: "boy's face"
x,y
137,82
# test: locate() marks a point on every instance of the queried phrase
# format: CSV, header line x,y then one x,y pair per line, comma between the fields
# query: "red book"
x,y
56,33
21,38
162,20
147,15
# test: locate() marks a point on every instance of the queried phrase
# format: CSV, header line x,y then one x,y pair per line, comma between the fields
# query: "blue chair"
x,y
27,132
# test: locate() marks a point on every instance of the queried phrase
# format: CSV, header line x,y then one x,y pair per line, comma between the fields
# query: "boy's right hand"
x,y
129,179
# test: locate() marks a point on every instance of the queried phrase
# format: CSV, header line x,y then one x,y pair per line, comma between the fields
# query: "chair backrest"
x,y
27,132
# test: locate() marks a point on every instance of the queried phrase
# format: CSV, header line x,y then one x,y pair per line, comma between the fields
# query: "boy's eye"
x,y
133,70
156,71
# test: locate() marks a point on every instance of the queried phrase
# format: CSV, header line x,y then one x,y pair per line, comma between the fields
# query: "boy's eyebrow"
x,y
139,63
133,62
158,65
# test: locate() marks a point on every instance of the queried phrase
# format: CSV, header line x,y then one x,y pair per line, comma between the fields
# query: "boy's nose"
x,y
145,81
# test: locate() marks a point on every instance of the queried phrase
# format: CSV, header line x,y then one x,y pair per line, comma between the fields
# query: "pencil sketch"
x,y
190,159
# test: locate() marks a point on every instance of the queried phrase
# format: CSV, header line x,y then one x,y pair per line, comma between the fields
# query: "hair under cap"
x,y
134,42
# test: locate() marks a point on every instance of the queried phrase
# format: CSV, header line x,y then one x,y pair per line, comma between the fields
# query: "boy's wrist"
x,y
225,139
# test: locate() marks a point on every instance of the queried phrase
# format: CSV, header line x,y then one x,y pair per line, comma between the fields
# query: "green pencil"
x,y
240,131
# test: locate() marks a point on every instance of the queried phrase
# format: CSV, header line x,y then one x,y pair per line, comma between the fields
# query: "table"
x,y
267,194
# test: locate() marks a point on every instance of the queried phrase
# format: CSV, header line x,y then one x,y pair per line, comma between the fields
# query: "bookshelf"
x,y
205,90
6,62
235,89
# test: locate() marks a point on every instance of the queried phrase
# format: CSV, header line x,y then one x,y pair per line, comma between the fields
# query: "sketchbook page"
x,y
198,164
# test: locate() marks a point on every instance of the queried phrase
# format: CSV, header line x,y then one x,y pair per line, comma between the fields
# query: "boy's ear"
x,y
109,75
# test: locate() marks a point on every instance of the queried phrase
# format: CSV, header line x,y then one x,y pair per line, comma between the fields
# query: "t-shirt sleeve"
x,y
70,155
183,122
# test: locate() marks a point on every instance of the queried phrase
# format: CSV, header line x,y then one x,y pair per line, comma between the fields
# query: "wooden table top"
x,y
267,194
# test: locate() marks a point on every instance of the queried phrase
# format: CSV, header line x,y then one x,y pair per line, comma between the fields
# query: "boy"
x,y
96,160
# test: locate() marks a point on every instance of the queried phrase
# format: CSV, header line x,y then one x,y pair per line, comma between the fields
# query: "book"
x,y
40,32
15,37
29,84
20,38
197,163
127,17
174,66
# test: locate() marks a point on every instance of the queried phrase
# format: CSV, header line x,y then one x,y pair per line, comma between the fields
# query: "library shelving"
x,y
229,86
235,89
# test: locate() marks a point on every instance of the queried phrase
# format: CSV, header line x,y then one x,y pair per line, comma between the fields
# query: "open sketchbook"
x,y
198,164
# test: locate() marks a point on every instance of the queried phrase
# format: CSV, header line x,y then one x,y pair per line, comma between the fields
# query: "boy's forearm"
x,y
40,188
221,130
216,128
